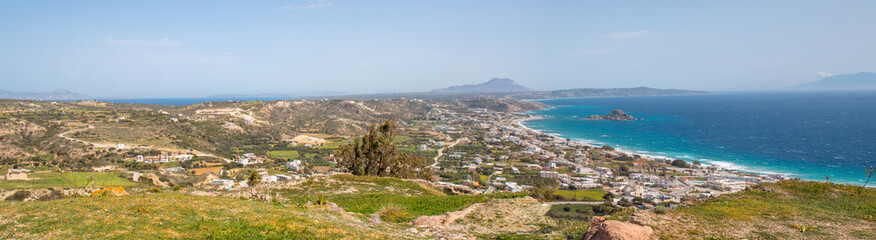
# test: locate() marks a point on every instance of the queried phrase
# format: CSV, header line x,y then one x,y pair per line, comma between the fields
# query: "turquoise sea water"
x,y
809,135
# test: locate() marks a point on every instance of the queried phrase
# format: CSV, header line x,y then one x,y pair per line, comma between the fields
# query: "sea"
x,y
807,135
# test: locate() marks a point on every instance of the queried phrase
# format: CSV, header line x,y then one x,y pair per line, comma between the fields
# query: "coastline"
x,y
722,165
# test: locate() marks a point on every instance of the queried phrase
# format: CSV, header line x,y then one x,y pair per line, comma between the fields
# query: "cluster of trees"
x,y
374,154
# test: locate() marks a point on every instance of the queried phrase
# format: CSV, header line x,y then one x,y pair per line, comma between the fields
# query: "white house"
x,y
294,165
17,174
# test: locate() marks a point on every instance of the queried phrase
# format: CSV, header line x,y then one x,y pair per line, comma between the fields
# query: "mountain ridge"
x,y
60,94
492,86
861,80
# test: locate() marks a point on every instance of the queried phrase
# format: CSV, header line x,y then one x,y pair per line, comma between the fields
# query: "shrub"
x,y
661,209
319,200
18,196
624,203
567,208
605,209
680,163
608,197
394,213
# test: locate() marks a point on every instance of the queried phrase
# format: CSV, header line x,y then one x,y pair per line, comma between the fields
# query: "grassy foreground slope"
x,y
68,180
783,210
176,215
368,195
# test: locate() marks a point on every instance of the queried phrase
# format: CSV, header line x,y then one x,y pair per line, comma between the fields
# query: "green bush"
x,y
18,196
661,209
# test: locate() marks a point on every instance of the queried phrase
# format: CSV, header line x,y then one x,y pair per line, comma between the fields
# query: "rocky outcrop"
x,y
617,114
444,220
642,219
28,195
447,188
601,229
497,216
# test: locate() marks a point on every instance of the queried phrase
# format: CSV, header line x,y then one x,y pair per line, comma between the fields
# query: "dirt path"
x,y
111,145
441,152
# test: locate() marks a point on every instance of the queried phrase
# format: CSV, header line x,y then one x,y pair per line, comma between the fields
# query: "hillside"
x,y
857,81
765,211
182,216
29,130
770,211
495,85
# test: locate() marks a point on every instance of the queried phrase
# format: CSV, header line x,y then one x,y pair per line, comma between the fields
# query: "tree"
x,y
608,196
624,203
567,208
374,154
638,200
605,209
254,178
679,163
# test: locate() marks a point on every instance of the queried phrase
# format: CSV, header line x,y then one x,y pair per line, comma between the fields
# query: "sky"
x,y
156,49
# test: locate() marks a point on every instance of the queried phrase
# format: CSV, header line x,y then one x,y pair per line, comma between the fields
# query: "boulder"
x,y
447,188
601,229
334,207
375,219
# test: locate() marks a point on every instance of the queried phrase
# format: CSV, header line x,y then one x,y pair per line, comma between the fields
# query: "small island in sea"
x,y
617,115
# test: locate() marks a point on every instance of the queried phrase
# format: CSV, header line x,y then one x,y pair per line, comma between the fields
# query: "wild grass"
x,y
368,195
581,195
787,210
809,199
291,154
68,180
175,215
392,212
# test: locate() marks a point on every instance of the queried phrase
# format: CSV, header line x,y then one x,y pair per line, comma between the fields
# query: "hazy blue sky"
x,y
201,48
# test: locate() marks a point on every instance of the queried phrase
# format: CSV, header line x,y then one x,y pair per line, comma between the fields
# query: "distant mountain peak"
x,y
501,81
857,81
494,85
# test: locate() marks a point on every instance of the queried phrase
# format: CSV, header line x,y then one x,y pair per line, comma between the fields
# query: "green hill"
x,y
180,216
771,211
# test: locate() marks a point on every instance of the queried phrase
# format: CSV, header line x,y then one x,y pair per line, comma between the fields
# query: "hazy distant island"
x,y
494,85
496,88
617,115
503,88
55,95
857,81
